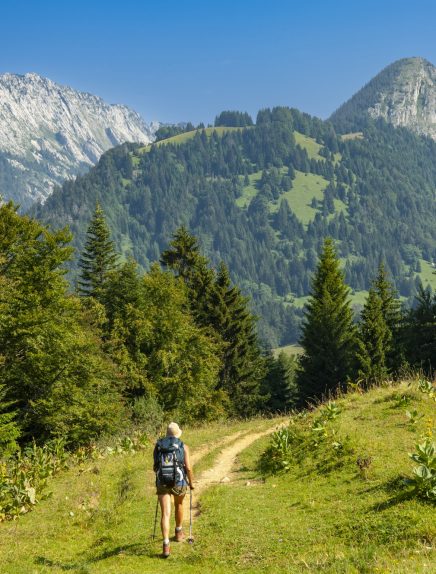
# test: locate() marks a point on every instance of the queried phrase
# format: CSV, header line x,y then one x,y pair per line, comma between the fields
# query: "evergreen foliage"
x,y
52,369
98,257
420,332
392,315
9,431
218,305
233,119
329,335
235,190
375,339
280,383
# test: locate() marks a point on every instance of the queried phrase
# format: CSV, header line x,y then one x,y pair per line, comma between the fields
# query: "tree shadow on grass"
x,y
136,549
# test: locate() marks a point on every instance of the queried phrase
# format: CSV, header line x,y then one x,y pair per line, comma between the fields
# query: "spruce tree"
x,y
9,431
219,306
392,315
279,383
420,332
329,337
375,337
186,261
98,258
242,365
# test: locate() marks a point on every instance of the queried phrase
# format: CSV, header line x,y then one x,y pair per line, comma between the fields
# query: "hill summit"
x,y
403,94
49,133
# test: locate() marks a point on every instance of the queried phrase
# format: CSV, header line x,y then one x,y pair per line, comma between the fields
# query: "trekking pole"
x,y
190,539
155,518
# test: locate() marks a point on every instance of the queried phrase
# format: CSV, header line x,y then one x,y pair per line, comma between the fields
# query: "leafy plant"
x,y
413,416
424,475
427,388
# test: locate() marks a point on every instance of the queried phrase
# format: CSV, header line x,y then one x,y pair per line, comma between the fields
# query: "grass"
x,y
186,136
337,521
306,186
291,350
353,136
249,191
100,516
310,145
427,274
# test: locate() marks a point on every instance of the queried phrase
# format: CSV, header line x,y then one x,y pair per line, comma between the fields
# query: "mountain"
x,y
403,94
50,133
262,198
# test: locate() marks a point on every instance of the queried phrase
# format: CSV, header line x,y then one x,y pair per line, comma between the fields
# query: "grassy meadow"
x,y
327,514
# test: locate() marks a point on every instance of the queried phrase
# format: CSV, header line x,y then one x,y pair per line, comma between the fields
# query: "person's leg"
x,y
178,504
165,508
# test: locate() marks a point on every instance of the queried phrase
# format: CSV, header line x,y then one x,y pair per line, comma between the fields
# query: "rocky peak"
x,y
49,133
404,94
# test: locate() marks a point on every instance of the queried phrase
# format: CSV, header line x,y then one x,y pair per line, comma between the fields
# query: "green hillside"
x,y
262,198
326,514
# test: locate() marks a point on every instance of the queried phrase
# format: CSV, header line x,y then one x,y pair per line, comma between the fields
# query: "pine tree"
x,y
9,431
392,315
242,365
420,332
186,261
375,337
279,383
219,306
98,257
329,337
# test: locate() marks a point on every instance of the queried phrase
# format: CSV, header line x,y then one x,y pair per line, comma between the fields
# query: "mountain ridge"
x,y
403,94
50,133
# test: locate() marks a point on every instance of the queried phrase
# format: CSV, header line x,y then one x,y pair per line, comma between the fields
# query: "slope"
x,y
324,515
49,133
263,198
404,94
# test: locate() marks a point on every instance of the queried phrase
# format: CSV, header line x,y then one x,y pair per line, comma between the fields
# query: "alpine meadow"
x,y
262,286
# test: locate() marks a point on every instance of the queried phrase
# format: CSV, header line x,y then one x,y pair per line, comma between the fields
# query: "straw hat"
x,y
173,429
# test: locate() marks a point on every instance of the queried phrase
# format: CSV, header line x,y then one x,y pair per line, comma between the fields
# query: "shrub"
x,y
424,475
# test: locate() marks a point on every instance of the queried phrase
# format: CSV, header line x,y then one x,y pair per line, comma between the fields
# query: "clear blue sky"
x,y
177,60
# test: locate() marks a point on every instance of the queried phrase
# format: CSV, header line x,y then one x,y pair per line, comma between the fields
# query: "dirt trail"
x,y
225,461
206,448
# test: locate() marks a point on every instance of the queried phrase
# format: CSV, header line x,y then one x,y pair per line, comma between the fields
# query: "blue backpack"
x,y
169,461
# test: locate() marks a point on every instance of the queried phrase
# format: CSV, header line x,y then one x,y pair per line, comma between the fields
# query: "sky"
x,y
187,60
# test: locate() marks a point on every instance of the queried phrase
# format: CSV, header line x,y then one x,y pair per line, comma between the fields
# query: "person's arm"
x,y
188,468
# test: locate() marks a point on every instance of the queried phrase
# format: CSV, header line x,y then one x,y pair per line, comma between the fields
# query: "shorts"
x,y
175,490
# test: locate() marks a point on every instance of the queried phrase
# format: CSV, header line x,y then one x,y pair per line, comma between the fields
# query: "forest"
x,y
178,340
262,198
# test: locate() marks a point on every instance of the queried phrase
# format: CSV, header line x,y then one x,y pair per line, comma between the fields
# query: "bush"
x,y
148,413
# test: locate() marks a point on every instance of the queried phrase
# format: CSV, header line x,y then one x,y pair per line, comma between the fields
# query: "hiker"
x,y
173,470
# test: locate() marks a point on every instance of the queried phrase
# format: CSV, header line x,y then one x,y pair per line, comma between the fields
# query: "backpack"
x,y
169,461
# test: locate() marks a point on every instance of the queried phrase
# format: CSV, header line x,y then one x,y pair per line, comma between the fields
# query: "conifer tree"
x,y
242,365
218,305
186,261
279,383
98,258
9,431
329,337
420,332
392,315
375,337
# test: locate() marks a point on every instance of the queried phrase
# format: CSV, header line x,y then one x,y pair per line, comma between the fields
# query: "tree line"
x,y
179,340
378,201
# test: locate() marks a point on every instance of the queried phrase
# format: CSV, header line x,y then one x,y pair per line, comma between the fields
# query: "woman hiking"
x,y
173,470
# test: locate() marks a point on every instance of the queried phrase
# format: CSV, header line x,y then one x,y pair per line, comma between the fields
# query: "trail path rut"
x,y
225,461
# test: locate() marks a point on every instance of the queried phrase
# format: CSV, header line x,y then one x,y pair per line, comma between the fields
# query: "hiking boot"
x,y
165,550
179,536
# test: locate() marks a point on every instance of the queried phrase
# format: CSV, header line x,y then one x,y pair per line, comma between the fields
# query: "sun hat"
x,y
173,429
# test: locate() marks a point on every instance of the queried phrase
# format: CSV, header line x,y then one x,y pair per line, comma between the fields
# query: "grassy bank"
x,y
325,515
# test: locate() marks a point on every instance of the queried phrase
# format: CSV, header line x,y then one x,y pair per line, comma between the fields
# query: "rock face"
x,y
49,133
404,94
